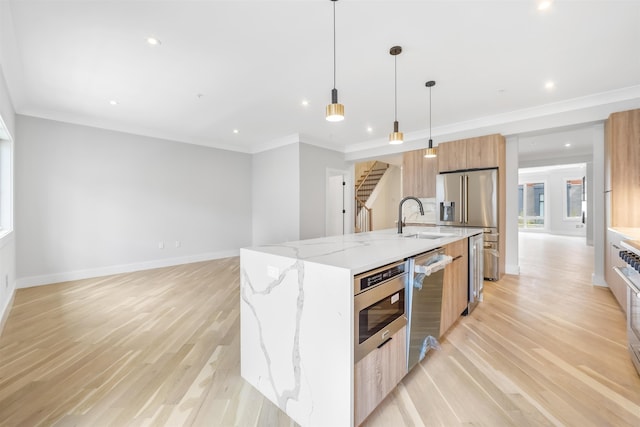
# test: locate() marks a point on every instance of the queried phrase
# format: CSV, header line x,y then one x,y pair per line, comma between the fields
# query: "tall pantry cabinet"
x,y
622,190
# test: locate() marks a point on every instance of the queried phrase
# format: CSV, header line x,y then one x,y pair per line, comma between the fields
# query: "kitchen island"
x,y
297,316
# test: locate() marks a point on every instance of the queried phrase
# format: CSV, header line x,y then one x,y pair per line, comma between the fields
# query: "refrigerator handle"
x,y
466,199
462,199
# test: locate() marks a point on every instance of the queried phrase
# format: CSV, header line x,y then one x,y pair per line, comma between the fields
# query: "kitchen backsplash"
x,y
411,211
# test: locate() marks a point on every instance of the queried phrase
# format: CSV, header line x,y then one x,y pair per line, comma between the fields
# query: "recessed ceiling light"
x,y
113,102
236,131
369,129
544,4
305,103
153,41
549,85
568,144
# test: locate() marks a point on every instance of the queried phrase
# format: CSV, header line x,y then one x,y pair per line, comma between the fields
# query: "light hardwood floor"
x,y
161,347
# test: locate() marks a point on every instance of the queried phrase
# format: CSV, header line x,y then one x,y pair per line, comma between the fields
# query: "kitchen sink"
x,y
427,235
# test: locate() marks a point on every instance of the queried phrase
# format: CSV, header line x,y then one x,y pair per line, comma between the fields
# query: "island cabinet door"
x,y
455,286
377,374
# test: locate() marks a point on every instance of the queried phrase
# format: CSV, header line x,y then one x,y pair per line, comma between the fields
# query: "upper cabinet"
x,y
481,152
622,163
418,175
472,153
452,156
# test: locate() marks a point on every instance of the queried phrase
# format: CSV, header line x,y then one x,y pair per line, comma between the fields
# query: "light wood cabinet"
x,y
472,153
622,163
455,287
489,151
418,174
616,284
378,373
452,155
622,191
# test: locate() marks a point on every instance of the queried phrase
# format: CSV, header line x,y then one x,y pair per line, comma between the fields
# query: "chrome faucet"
x,y
400,224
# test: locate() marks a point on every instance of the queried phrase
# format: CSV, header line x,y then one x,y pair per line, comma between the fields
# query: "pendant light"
x,y
335,111
430,152
396,137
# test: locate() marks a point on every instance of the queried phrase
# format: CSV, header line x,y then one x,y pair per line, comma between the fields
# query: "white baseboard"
x,y
598,280
512,269
5,312
48,279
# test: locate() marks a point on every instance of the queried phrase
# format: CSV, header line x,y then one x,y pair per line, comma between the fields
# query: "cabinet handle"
x,y
385,342
632,286
616,246
458,257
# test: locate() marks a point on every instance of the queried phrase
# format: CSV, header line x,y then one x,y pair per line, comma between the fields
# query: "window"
x,y
574,196
6,182
531,205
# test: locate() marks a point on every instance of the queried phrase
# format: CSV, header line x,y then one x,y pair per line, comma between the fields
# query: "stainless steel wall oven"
x,y
379,304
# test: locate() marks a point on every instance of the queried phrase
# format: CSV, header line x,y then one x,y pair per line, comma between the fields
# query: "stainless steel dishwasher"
x,y
424,303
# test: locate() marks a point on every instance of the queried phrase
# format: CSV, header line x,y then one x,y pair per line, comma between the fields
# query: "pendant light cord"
x,y
395,86
429,113
334,44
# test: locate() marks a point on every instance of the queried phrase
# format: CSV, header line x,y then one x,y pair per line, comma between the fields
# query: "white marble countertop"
x,y
630,233
364,251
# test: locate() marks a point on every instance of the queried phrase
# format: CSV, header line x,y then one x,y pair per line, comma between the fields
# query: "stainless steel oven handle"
x,y
629,283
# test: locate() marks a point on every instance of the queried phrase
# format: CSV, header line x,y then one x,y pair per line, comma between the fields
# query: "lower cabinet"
x,y
455,287
617,286
377,374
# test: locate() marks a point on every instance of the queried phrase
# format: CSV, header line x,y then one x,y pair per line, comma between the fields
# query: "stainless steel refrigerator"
x,y
470,199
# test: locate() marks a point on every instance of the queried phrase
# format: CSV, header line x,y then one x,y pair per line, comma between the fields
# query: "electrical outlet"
x,y
178,244
160,245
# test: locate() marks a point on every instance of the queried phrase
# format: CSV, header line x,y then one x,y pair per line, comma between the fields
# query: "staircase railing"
x,y
364,217
364,214
371,169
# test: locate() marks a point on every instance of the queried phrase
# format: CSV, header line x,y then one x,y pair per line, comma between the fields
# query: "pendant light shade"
x,y
396,137
430,152
335,110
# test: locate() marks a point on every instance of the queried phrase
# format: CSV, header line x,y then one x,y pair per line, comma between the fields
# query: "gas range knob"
x,y
624,255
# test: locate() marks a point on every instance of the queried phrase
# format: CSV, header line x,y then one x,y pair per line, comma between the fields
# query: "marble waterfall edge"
x,y
296,336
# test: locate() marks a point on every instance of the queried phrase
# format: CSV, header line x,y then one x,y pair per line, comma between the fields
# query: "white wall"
x,y
554,180
512,261
91,202
598,202
7,131
276,195
289,192
385,206
314,162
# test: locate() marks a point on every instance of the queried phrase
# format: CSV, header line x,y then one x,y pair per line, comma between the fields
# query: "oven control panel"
x,y
378,276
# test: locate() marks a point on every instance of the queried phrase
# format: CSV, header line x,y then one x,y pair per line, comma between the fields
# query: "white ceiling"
x,y
254,62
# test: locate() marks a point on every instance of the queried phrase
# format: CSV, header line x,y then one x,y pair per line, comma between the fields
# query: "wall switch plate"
x,y
160,245
178,243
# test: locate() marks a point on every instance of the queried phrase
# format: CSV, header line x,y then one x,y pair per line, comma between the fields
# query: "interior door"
x,y
336,212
